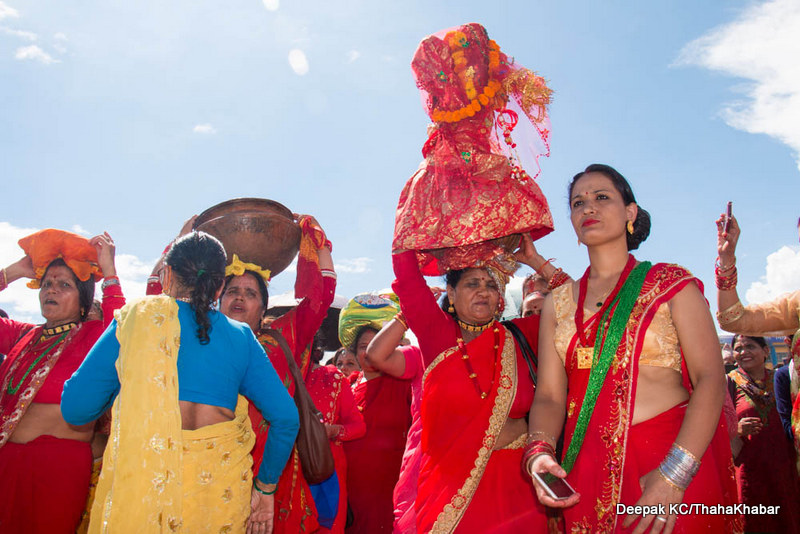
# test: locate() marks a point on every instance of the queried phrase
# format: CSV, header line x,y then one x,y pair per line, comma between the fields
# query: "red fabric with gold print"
x,y
470,197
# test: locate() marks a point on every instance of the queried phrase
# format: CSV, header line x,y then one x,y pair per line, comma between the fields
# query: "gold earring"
x,y
450,308
630,227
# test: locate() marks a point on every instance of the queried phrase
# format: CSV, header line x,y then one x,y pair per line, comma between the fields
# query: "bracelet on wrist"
x,y
265,492
400,318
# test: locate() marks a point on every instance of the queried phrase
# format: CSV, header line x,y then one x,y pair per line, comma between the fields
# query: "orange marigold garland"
x,y
458,42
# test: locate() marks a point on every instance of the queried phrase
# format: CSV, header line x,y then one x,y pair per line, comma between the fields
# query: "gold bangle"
x,y
731,314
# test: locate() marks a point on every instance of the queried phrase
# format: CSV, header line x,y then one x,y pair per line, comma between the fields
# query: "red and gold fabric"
x,y
615,454
764,467
470,198
294,506
332,396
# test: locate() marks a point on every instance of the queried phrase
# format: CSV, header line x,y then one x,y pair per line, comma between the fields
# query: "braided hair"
x,y
198,261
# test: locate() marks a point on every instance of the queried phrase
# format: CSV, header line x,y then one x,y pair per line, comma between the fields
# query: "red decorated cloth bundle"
x,y
470,199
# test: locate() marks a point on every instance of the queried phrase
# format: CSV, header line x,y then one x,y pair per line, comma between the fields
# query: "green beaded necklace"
x,y
609,335
12,390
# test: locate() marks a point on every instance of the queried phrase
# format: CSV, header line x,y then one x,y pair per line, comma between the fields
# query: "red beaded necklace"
x,y
465,357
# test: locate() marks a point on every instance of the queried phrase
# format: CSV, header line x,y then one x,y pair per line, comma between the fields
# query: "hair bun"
x,y
641,229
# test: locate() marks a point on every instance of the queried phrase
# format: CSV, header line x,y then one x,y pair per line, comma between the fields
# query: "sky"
x,y
129,117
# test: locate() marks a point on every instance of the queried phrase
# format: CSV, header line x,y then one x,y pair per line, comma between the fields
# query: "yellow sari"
x,y
157,477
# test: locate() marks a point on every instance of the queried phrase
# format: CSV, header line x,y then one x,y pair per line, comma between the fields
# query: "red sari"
x,y
765,465
461,475
294,506
615,454
333,397
373,461
46,480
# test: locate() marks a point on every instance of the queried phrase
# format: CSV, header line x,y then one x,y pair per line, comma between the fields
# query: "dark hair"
x,y
361,331
451,278
641,226
3,314
341,351
760,341
198,261
262,286
85,288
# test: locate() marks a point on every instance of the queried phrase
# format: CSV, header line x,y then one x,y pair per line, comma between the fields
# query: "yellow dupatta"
x,y
156,477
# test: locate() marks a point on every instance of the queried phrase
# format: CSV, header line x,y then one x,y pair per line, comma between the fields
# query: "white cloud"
x,y
22,303
353,266
22,34
298,61
205,129
782,274
761,46
60,36
272,5
78,229
34,53
7,11
353,55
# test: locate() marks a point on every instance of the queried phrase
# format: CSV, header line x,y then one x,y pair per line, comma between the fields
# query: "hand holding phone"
x,y
728,215
556,488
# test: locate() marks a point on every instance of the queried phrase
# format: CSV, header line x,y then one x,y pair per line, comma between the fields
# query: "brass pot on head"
x,y
257,230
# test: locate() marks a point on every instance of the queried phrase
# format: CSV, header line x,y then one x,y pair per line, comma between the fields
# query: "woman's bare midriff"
x,y
45,420
195,415
513,429
658,390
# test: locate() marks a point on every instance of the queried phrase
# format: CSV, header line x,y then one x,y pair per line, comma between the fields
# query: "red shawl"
x,y
453,462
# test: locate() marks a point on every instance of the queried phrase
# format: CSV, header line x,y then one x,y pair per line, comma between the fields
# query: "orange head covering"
x,y
47,245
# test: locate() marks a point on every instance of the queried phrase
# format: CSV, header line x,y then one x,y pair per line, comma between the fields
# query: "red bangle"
x,y
328,245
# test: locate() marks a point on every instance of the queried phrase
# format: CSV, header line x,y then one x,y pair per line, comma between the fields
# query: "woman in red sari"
x,y
46,464
476,392
765,466
333,397
373,461
630,356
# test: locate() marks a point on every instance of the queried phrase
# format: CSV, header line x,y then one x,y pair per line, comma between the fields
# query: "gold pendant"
x,y
585,356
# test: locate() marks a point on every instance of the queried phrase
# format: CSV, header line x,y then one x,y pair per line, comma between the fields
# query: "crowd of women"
x,y
602,408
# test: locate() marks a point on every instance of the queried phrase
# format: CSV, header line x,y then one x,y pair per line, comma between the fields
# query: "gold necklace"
x,y
473,327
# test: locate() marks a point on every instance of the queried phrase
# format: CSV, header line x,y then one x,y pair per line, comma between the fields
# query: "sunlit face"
x,y
347,363
361,349
597,210
749,355
532,305
475,297
58,296
242,301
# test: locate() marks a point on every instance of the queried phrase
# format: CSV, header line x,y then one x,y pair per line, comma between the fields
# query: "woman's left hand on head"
x,y
655,491
105,253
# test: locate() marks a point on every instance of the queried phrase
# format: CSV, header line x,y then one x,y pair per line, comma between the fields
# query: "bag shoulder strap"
x,y
299,385
527,352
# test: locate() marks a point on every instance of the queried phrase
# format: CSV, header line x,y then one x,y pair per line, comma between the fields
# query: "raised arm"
x,y
780,315
113,298
10,330
433,328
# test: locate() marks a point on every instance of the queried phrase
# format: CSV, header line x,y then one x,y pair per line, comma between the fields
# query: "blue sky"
x,y
131,116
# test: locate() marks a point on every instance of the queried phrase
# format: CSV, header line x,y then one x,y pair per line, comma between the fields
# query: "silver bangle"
x,y
679,466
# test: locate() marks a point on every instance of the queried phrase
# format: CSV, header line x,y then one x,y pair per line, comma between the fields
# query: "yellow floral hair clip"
x,y
238,267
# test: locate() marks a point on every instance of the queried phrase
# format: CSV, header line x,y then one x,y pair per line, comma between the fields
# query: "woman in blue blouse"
x,y
179,453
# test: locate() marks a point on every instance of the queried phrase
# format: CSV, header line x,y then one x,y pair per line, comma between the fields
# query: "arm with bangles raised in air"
x,y
435,330
779,315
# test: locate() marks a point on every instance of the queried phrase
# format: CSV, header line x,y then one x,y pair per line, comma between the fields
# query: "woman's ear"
x,y
632,211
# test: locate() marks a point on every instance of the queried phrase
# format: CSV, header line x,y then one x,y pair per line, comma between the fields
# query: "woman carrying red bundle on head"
x,y
46,464
462,214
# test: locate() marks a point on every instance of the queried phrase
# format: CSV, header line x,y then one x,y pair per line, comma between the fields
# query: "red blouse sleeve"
x,y
113,299
10,332
353,425
434,329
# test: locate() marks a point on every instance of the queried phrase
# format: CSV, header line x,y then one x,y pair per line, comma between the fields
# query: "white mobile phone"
x,y
557,488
